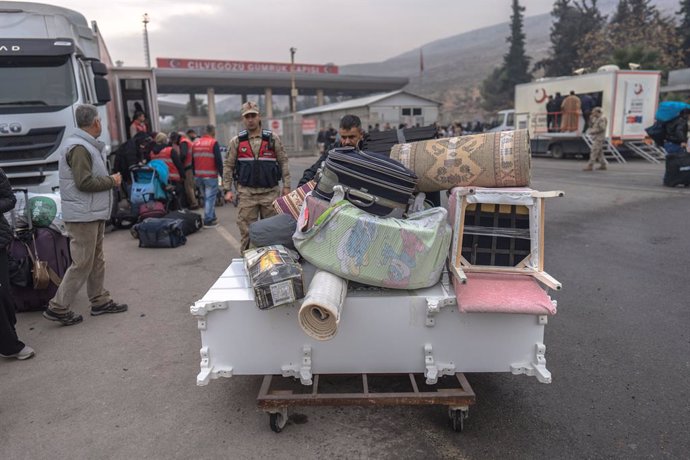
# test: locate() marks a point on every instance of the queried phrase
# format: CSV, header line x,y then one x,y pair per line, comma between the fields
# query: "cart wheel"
x,y
277,421
457,419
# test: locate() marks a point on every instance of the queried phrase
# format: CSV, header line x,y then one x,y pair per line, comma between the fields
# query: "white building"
x,y
393,108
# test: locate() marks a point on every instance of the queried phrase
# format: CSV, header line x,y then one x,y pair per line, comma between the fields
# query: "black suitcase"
x,y
191,221
372,182
677,170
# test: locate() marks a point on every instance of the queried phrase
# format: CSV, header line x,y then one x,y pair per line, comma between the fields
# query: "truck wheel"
x,y
557,151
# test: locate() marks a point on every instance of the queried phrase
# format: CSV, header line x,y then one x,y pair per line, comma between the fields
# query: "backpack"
x,y
657,132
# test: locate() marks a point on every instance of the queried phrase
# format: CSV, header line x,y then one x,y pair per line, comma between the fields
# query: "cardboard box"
x,y
276,276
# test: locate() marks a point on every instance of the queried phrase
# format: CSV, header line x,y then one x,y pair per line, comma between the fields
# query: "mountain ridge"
x,y
455,66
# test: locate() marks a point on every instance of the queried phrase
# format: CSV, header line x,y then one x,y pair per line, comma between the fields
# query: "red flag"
x,y
421,61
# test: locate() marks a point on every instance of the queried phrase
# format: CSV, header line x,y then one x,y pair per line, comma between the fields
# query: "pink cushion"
x,y
502,293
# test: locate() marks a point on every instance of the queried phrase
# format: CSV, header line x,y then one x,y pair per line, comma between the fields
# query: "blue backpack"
x,y
668,110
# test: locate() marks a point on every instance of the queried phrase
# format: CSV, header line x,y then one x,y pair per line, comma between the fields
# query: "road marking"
x,y
229,238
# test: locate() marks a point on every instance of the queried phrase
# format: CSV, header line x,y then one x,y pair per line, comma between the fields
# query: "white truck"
x,y
628,99
50,62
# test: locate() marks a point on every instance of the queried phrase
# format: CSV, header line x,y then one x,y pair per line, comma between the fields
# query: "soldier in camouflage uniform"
x,y
257,162
597,131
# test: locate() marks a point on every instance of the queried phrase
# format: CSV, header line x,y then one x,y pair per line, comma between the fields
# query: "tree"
x,y
498,89
683,31
636,34
573,23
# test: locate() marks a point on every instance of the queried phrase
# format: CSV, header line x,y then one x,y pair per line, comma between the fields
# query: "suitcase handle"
x,y
371,199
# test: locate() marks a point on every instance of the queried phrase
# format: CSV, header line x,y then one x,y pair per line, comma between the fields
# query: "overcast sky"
x,y
338,31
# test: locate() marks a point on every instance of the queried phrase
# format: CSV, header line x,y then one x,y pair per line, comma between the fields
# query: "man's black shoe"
x,y
110,307
66,319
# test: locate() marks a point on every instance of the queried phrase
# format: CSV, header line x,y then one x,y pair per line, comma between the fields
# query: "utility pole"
x,y
147,54
293,91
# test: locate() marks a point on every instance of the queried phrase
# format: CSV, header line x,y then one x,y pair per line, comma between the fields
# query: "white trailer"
x,y
628,98
50,62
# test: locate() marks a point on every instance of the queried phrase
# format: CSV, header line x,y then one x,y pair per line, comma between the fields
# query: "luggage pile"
x,y
364,224
39,254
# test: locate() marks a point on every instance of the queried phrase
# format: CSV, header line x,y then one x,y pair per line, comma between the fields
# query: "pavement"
x,y
123,386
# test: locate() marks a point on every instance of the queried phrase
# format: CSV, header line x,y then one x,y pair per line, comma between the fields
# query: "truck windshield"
x,y
36,83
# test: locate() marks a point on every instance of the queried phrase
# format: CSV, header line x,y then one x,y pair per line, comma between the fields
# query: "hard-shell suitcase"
x,y
191,221
677,170
51,247
372,182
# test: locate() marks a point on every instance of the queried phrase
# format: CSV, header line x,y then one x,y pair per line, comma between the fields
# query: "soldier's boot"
x,y
588,168
602,168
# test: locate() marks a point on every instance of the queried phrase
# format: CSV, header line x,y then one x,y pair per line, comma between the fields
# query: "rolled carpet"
x,y
481,160
320,312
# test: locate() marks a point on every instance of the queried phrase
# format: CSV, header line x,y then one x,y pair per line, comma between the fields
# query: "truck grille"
x,y
37,144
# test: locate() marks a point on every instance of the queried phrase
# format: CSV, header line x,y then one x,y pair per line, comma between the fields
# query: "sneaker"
x,y
66,319
25,353
110,307
211,223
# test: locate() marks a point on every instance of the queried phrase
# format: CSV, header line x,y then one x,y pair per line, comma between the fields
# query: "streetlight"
x,y
147,54
293,91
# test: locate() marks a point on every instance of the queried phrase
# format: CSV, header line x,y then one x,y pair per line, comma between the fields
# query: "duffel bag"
x,y
152,209
273,230
160,233
371,181
386,252
191,221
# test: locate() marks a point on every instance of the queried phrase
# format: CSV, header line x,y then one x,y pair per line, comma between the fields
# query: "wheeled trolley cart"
x,y
381,331
453,392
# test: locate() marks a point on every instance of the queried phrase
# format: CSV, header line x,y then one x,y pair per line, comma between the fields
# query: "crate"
x,y
499,230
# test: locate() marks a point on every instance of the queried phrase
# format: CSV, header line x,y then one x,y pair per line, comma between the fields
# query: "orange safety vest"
x,y
188,159
204,160
166,155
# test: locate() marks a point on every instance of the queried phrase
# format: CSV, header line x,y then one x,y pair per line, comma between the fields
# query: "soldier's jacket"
x,y
255,142
598,127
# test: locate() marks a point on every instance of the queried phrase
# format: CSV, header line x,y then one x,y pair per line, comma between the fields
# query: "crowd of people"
x,y
563,112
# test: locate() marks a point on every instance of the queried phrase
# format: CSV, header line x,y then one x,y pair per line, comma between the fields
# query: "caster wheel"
x,y
134,233
277,421
457,419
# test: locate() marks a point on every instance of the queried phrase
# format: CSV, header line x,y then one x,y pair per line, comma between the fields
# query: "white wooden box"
x,y
381,331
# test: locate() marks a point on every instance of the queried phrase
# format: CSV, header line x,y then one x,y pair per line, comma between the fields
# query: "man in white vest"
x,y
86,192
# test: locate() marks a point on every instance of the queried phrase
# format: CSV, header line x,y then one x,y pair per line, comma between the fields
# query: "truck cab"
x,y
503,120
50,62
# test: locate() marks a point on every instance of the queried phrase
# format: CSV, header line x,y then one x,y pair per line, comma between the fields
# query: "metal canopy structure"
x,y
185,81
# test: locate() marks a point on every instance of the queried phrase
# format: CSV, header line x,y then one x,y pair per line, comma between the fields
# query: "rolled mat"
x,y
320,312
481,160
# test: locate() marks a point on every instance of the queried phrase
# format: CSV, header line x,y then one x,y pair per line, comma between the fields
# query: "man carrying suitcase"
x,y
257,162
86,193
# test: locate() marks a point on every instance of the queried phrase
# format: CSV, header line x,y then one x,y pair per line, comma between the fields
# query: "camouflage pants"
x,y
596,155
251,207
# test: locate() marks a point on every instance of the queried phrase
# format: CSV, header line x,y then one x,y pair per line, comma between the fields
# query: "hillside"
x,y
454,67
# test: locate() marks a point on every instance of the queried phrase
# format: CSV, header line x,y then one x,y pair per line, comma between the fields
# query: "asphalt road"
x,y
123,386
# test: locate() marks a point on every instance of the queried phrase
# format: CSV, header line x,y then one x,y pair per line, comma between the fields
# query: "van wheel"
x,y
557,151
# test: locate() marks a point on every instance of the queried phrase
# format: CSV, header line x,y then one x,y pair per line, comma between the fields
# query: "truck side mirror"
x,y
102,90
100,83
